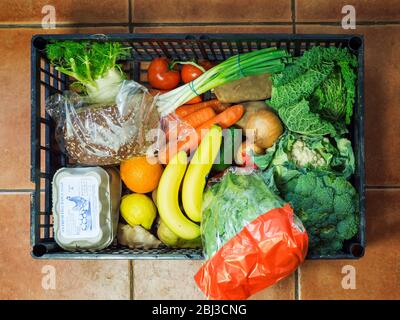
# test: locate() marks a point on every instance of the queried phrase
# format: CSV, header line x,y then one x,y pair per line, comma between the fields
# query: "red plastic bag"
x,y
266,250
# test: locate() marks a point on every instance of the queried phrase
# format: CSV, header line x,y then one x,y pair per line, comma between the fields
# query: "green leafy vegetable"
x,y
332,155
324,77
326,204
314,97
312,58
92,64
334,97
301,87
231,204
343,161
263,161
298,118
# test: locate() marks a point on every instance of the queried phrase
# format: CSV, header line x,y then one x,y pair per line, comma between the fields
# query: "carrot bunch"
x,y
192,124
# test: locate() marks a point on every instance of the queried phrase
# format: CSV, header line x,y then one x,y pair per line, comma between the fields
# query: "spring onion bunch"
x,y
92,64
268,60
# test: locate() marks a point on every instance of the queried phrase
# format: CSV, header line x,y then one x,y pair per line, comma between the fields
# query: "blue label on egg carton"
x,y
79,207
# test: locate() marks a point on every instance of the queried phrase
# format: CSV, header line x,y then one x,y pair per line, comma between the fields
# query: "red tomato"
x,y
161,76
190,72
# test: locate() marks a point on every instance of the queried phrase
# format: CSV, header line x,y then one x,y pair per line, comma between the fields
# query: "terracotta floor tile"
x,y
21,277
377,274
15,102
195,11
215,29
174,280
323,10
166,280
72,11
382,99
283,290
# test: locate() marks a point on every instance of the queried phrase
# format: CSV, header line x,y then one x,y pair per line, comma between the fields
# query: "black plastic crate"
x,y
46,157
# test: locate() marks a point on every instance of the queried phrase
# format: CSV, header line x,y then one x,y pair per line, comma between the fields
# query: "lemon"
x,y
138,209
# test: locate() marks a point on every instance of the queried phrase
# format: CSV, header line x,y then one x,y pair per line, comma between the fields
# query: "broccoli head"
x,y
327,206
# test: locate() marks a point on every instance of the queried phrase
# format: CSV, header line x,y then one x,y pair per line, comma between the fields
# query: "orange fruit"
x,y
141,175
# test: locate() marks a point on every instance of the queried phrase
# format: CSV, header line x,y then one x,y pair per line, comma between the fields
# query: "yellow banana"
x,y
167,199
199,167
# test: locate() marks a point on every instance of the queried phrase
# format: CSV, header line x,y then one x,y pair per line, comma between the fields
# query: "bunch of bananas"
x,y
192,189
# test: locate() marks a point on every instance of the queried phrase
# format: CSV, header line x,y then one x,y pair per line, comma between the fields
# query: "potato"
x,y
246,89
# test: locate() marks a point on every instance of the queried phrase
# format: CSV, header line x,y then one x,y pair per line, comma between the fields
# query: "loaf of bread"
x,y
105,135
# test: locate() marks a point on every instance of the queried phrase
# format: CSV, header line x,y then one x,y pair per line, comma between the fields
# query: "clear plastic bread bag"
x,y
95,134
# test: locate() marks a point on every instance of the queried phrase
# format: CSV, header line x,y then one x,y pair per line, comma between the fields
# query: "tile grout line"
x,y
13,191
359,23
170,24
20,190
381,187
130,15
298,284
216,23
293,9
63,25
132,281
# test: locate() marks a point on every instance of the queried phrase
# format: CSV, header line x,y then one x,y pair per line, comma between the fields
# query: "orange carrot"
x,y
184,110
225,119
230,116
187,109
178,127
190,142
199,117
174,126
221,107
194,139
196,99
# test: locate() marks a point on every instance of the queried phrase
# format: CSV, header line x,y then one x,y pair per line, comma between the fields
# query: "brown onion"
x,y
267,128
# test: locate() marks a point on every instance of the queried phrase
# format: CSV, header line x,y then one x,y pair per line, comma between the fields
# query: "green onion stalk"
x,y
268,60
